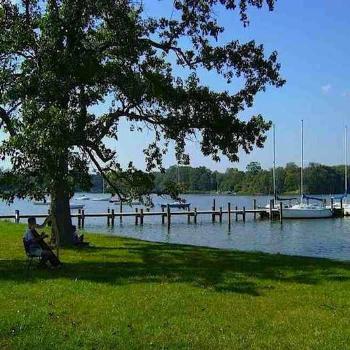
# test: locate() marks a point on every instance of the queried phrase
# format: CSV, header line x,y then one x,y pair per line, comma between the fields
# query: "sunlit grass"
x,y
129,294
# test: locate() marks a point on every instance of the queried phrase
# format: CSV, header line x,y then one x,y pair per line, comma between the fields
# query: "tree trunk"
x,y
61,219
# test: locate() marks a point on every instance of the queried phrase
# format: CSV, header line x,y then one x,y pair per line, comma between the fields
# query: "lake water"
x,y
329,238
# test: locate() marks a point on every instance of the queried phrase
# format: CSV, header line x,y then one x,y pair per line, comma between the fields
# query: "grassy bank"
x,y
128,294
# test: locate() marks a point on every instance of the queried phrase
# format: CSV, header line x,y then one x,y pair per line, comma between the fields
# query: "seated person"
x,y
36,244
78,239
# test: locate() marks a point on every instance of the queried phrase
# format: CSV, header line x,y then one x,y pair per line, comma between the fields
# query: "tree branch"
x,y
102,172
5,117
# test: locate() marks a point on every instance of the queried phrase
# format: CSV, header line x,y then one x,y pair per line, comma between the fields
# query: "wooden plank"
x,y
136,216
79,218
17,217
281,212
168,214
121,211
229,215
112,218
213,211
82,218
141,216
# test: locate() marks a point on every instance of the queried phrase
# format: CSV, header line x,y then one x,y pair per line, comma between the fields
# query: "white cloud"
x,y
346,93
326,88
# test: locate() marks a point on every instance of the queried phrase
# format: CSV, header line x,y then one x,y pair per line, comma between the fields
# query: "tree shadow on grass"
x,y
219,270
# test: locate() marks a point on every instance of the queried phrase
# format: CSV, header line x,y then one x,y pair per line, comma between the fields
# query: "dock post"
x,y
213,209
281,212
112,218
254,207
220,215
195,215
16,216
141,216
189,216
136,216
168,215
108,217
243,214
79,218
163,216
236,210
121,211
270,209
229,215
332,204
341,203
82,218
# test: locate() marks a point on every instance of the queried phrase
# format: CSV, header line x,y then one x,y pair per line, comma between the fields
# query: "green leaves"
x,y
71,70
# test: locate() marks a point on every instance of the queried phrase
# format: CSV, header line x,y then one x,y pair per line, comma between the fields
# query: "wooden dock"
x,y
166,214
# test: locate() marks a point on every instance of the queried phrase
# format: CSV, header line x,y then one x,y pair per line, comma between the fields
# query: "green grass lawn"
x,y
129,294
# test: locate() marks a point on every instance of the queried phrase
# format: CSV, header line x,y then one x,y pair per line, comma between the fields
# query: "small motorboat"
x,y
44,202
82,198
101,199
177,205
71,205
114,199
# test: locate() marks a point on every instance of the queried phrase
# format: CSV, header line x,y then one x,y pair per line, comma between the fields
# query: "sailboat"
x,y
305,210
180,203
83,198
345,205
275,196
102,199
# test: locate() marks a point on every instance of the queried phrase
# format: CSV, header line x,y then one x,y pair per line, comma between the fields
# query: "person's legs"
x,y
47,255
43,259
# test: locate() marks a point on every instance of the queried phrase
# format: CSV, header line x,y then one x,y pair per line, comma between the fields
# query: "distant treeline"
x,y
318,179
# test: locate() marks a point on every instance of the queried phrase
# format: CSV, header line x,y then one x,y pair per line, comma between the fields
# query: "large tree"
x,y
61,58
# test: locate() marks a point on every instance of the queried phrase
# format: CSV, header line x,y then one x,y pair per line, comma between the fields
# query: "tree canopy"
x,y
59,59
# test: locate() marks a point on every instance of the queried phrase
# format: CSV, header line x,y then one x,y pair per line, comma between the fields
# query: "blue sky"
x,y
312,39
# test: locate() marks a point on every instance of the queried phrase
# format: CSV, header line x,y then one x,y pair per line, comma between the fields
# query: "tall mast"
x,y
346,161
274,163
302,160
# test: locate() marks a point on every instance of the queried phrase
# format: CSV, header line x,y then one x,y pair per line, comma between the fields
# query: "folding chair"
x,y
30,256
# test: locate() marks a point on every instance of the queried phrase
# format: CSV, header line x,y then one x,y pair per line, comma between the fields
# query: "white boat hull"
x,y
42,203
71,205
107,199
306,213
